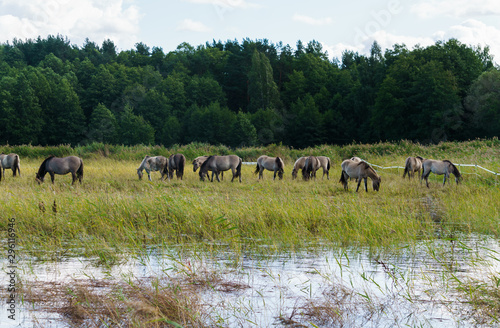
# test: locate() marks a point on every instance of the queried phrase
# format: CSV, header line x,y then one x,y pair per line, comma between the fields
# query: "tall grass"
x,y
112,210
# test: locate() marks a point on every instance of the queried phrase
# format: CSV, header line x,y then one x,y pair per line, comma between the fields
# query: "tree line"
x,y
244,93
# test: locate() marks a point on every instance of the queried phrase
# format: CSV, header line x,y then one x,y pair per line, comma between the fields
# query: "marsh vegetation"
x,y
215,238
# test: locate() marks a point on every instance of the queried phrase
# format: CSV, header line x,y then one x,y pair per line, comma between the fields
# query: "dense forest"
x,y
244,93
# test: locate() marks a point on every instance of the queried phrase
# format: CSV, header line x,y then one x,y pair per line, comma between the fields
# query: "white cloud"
x,y
311,20
192,26
470,32
456,8
473,32
241,4
78,20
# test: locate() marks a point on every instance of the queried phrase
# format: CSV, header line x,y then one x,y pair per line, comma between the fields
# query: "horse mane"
x,y
202,167
364,165
42,170
367,166
279,162
420,158
455,172
47,159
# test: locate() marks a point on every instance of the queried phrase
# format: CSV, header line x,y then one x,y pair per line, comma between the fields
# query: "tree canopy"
x,y
244,93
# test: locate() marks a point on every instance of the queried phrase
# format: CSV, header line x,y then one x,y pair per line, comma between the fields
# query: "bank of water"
x,y
409,285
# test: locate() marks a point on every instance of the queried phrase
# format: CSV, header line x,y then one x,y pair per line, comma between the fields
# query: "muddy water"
x,y
407,286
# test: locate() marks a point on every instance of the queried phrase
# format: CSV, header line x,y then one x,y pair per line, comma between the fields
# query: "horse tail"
x,y
328,164
343,178
180,167
257,169
406,171
79,172
238,168
15,165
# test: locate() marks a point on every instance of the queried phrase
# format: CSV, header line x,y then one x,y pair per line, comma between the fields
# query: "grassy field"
x,y
112,210
112,215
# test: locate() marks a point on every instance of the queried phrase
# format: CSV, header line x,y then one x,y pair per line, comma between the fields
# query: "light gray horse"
x,y
299,165
10,161
198,161
274,164
325,165
176,162
439,167
156,163
360,171
311,165
412,165
218,164
55,165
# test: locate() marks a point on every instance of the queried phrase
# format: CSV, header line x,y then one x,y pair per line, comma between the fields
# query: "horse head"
x,y
39,178
139,173
281,167
376,183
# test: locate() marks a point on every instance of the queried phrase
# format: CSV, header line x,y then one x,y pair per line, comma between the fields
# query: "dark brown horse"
x,y
274,164
176,162
55,165
311,165
360,171
10,161
218,164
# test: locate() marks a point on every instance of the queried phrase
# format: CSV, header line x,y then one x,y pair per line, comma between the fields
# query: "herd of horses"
x,y
353,168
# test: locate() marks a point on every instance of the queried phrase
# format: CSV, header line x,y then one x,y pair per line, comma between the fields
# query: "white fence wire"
x,y
402,167
459,166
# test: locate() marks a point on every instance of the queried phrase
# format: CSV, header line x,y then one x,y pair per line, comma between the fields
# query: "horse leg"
x,y
217,175
366,184
149,174
275,174
359,183
52,176
444,179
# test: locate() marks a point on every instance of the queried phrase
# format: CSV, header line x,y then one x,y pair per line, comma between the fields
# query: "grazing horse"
x,y
412,165
299,165
325,164
360,171
10,161
439,167
311,165
198,162
156,163
55,165
218,164
176,162
272,164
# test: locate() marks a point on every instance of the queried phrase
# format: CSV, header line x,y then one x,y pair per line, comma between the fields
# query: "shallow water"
x,y
408,286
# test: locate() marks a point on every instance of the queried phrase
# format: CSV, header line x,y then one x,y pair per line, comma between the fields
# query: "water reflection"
x,y
408,286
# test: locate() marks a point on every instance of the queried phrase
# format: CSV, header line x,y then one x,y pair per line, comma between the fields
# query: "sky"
x,y
337,25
